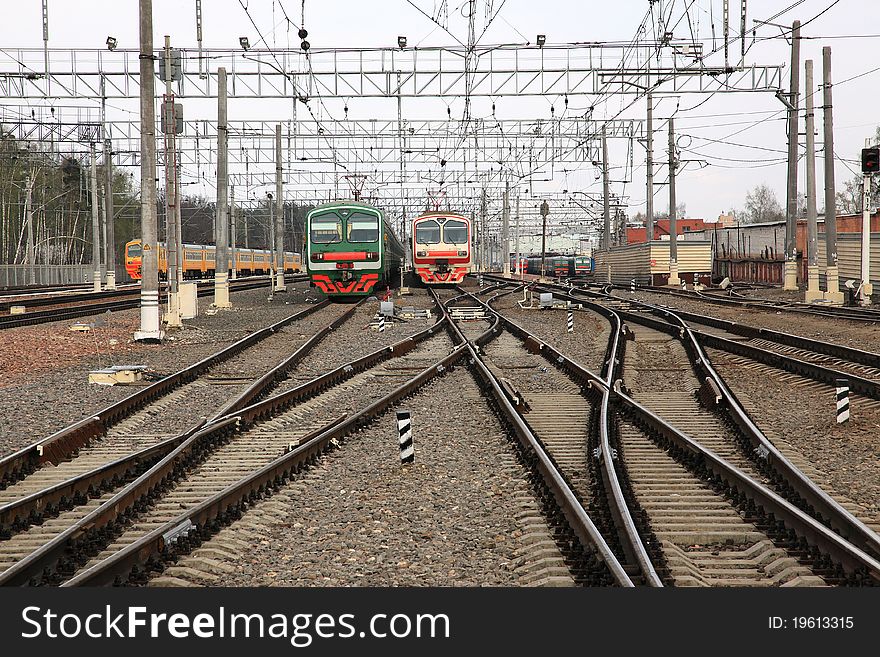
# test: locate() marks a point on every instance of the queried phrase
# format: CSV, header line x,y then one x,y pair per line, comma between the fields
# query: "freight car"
x,y
351,249
441,248
199,260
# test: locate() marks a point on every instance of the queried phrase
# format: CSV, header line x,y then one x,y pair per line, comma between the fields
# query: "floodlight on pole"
x,y
111,43
542,39
244,42
401,42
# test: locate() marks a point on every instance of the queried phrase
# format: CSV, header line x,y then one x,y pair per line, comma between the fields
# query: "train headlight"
x,y
372,255
317,256
422,254
462,253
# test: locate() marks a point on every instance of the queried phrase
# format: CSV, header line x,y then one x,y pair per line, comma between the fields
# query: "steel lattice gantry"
x,y
494,71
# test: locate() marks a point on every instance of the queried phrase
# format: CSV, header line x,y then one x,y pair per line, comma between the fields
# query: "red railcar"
x,y
441,247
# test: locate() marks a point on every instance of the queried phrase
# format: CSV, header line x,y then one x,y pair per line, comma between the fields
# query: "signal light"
x,y
871,160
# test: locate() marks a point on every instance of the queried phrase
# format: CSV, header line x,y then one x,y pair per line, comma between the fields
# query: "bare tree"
x,y
761,205
849,200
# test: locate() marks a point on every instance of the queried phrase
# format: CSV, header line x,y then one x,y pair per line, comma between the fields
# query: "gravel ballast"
x,y
860,335
363,519
49,388
805,417
586,345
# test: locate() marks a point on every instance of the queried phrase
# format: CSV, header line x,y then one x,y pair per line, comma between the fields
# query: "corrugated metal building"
x,y
648,264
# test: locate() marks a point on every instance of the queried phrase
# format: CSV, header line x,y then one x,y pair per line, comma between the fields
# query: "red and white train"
x,y
441,247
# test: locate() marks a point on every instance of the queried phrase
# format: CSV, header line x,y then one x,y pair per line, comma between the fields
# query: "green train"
x,y
351,250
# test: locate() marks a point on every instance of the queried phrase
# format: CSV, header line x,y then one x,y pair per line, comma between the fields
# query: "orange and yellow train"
x,y
199,259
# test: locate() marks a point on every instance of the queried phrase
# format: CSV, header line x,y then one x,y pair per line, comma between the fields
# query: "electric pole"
x,y
96,227
271,245
279,214
29,217
545,210
673,228
221,237
169,133
813,292
482,232
791,200
233,231
110,244
832,283
505,230
150,328
866,287
649,204
606,206
516,246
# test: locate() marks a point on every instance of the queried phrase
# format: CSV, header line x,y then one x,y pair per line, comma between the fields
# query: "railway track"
x,y
857,314
92,303
705,540
835,560
557,452
223,453
37,488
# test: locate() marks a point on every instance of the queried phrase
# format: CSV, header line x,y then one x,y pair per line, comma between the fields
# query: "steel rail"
x,y
816,499
852,558
578,519
60,445
857,315
822,373
178,452
864,544
632,540
66,313
208,516
60,496
754,332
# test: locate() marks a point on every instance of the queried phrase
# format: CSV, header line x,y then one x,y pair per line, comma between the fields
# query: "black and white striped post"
x,y
632,286
381,323
842,401
404,436
570,322
684,285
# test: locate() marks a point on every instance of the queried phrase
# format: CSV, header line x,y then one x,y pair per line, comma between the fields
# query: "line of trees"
x,y
62,209
60,204
762,205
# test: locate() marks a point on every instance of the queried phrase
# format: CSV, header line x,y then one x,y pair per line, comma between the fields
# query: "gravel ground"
x,y
357,337
841,331
772,293
364,520
207,395
848,454
586,345
47,388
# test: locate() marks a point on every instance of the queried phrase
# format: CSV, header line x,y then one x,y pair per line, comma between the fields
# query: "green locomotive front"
x,y
352,250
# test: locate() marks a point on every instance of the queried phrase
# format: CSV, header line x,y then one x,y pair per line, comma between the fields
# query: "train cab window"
x,y
455,232
135,251
326,229
363,227
428,232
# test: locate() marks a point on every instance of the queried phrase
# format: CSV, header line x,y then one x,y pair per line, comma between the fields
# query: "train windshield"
x,y
455,232
363,227
326,229
428,232
135,251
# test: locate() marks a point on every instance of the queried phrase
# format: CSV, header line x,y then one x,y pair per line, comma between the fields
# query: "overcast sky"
x,y
708,126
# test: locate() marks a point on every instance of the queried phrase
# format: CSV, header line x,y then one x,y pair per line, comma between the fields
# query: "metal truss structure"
x,y
494,71
404,164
